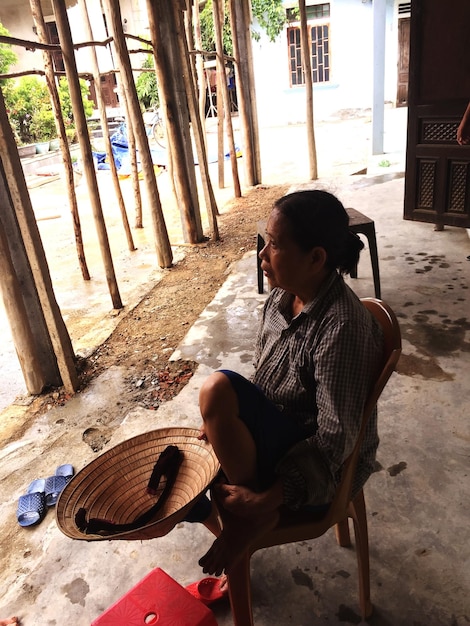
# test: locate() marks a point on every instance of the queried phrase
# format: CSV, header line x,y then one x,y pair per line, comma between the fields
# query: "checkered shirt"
x,y
318,368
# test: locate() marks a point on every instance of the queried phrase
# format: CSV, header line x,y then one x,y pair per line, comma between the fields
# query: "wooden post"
x,y
104,125
251,80
26,349
220,127
65,37
201,76
307,66
133,157
239,21
24,218
162,242
188,77
135,176
64,146
218,10
174,107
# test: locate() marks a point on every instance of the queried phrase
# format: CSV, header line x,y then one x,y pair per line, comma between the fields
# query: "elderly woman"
x,y
282,438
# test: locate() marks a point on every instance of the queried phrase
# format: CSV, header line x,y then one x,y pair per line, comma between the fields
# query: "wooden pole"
x,y
220,129
104,125
15,308
251,78
135,176
162,242
201,76
307,66
218,9
65,37
239,22
64,146
174,107
188,77
24,215
138,223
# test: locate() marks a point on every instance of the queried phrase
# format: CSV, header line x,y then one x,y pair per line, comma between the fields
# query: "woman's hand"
x,y
244,502
463,131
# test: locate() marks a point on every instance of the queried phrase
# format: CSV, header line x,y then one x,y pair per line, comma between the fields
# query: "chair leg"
x,y
357,510
374,258
239,586
342,533
259,271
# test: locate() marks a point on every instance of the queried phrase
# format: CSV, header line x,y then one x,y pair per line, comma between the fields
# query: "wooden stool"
x,y
358,223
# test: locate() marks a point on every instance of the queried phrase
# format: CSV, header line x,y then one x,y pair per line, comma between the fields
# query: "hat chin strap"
x,y
168,464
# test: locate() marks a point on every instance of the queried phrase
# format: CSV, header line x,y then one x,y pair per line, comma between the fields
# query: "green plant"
x,y
208,33
384,163
71,134
66,101
146,85
22,100
7,56
271,15
43,126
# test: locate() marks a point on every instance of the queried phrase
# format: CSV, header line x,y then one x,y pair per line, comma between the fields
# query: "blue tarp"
x,y
120,148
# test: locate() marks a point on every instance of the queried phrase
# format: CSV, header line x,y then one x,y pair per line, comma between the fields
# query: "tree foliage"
x,y
7,56
270,14
29,95
66,101
208,30
146,85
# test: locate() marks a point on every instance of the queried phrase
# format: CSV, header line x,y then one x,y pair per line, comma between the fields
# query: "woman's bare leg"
x,y
229,436
212,522
236,451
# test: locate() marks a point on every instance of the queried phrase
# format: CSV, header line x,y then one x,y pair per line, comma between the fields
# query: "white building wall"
x,y
18,20
351,59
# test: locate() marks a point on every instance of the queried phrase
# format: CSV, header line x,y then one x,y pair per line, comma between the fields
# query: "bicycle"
x,y
155,127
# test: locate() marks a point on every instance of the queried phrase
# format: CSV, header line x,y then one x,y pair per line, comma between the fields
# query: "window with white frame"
x,y
318,29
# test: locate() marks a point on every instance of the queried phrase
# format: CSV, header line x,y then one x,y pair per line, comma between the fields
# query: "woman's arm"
x,y
463,131
345,362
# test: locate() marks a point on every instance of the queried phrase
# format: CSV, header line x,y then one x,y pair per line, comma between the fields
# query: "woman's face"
x,y
283,262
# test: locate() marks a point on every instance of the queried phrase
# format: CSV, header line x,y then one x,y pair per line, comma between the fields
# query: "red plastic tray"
x,y
157,600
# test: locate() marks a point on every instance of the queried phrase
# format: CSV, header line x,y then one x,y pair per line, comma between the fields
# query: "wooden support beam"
x,y
240,25
15,308
307,67
224,102
162,241
104,125
198,132
46,322
65,37
64,146
175,113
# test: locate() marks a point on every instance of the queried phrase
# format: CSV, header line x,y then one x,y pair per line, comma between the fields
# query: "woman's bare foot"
x,y
237,534
10,621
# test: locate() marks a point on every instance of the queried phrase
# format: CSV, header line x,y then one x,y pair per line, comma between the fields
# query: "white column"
x,y
378,99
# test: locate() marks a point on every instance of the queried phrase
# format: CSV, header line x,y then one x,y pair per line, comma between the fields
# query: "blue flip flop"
x,y
55,484
32,505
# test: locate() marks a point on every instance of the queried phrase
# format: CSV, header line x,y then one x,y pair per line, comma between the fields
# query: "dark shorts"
x,y
273,432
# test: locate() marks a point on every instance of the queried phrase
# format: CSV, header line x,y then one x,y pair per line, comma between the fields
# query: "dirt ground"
x,y
146,336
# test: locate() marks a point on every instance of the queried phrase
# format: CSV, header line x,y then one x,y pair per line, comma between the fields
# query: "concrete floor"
x,y
418,500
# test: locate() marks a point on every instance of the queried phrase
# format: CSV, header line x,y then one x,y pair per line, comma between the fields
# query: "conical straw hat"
x,y
114,485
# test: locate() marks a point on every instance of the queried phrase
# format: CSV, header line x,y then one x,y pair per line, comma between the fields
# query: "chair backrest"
x,y
392,350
